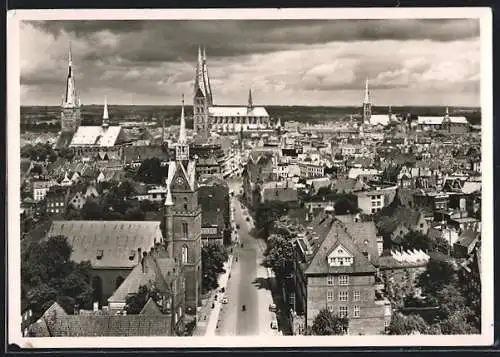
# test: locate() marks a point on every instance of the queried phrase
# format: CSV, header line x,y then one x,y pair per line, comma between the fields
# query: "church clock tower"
x,y
182,218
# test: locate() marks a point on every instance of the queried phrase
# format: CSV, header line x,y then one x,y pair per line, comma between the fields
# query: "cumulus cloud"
x,y
284,62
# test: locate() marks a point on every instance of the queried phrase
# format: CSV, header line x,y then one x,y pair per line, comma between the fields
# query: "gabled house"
x,y
333,269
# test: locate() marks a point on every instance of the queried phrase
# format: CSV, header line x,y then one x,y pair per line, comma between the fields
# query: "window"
x,y
343,311
386,324
184,254
330,308
374,210
355,311
184,230
343,295
329,280
356,295
343,280
329,295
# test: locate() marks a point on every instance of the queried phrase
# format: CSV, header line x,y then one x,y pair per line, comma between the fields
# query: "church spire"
x,y
250,101
105,116
70,97
206,78
367,93
182,131
367,106
182,148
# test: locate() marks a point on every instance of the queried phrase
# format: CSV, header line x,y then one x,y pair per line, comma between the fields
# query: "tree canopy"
x,y
327,324
407,324
151,171
267,213
213,257
48,275
279,255
39,152
135,302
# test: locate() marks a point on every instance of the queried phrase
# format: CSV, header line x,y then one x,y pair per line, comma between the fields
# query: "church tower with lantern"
x,y
182,217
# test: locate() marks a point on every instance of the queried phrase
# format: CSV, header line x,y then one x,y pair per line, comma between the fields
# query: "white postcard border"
x,y
13,171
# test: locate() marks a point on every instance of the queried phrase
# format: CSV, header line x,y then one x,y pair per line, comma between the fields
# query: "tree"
x,y
439,272
346,204
267,213
48,275
407,325
279,255
327,324
417,240
91,210
213,257
457,324
135,302
151,171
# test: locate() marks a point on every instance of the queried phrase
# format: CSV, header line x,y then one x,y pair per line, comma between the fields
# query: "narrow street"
x,y
248,284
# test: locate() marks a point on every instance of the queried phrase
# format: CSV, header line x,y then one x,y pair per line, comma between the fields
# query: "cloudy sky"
x,y
287,62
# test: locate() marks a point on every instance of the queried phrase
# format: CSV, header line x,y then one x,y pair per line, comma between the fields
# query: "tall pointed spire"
x,y
182,147
367,93
206,78
250,101
105,116
367,106
168,200
70,98
182,131
70,60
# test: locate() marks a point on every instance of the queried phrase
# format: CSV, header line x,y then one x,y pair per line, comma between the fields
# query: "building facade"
x,y
208,117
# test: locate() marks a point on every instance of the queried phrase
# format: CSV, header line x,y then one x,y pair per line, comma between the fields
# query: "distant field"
x,y
171,114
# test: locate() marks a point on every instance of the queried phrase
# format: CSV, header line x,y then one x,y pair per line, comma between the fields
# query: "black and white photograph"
x,y
215,178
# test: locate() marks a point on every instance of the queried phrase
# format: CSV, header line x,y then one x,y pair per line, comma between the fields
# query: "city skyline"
x,y
285,62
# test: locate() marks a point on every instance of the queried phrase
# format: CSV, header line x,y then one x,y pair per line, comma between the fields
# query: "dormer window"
x,y
340,257
99,255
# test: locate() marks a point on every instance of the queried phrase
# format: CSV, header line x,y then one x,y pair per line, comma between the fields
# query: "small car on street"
x,y
225,300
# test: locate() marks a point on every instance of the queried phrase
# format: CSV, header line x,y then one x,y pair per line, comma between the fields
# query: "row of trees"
x,y
213,257
48,275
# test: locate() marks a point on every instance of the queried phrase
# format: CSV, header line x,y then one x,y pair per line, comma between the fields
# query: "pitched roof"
x,y
106,325
114,241
151,308
226,111
96,136
468,237
150,271
335,237
364,234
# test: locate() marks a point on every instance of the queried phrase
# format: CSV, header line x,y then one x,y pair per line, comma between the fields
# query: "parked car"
x,y
273,308
225,300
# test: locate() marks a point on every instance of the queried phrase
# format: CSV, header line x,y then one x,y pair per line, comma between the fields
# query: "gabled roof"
x,y
148,271
106,325
338,235
151,308
114,241
96,136
468,237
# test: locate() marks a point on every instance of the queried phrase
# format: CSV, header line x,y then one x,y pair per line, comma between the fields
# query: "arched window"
x,y
184,254
184,230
